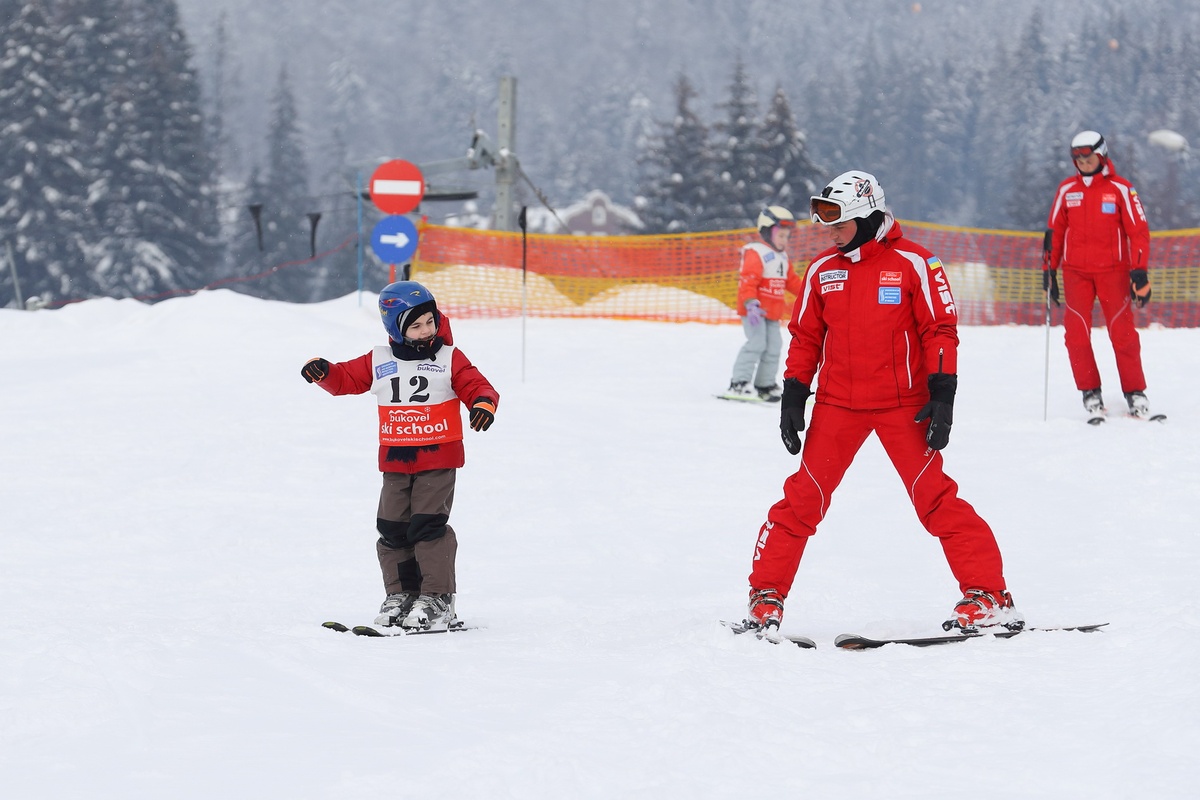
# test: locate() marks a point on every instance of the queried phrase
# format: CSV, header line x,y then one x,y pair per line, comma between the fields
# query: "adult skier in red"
x,y
1099,235
876,328
419,379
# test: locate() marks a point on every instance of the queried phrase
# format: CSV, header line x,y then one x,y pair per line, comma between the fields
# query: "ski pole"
x,y
1046,382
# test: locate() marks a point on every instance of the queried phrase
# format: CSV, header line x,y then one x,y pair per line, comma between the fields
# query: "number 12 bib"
x,y
417,403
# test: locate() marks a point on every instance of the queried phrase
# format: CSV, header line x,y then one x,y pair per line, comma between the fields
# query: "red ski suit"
x,y
870,327
1099,233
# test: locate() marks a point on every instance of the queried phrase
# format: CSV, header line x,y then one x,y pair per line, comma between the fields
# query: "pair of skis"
x,y
395,630
853,641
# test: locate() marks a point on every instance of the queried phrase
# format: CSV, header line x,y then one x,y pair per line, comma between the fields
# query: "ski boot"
x,y
980,609
769,394
1093,404
765,613
431,611
1139,406
395,608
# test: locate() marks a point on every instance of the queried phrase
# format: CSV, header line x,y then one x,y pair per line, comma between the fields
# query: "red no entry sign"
x,y
397,187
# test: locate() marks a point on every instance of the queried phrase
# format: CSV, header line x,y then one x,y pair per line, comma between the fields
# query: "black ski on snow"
x,y
367,630
802,642
852,641
1152,418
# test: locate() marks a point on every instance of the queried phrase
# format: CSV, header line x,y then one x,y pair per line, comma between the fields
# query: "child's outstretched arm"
x,y
343,377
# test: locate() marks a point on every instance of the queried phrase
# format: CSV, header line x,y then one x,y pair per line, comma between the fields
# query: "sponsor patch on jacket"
x,y
894,278
836,286
934,263
1074,196
833,275
383,370
889,296
769,257
431,367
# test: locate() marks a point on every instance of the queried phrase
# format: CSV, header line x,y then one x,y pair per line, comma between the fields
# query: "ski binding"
x,y
770,634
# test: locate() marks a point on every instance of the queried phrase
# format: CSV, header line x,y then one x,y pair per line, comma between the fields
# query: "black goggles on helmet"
x,y
825,210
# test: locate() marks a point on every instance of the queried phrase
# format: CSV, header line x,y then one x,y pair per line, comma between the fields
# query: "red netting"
x,y
995,275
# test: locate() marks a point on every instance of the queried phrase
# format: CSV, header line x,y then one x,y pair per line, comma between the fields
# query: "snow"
x,y
182,511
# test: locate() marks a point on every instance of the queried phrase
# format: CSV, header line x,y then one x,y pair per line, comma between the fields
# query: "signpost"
x,y
394,240
397,187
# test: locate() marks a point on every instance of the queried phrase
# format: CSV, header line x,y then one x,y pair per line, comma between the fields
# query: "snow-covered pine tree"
x,y
167,166
677,170
738,150
44,214
789,177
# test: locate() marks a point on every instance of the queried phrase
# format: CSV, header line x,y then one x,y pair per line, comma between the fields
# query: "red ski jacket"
x,y
1098,224
871,325
764,276
355,377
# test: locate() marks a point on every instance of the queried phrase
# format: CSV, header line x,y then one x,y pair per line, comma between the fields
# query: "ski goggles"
x,y
1082,152
825,210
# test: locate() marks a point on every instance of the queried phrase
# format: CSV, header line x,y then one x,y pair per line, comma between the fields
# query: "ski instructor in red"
x,y
1100,237
876,329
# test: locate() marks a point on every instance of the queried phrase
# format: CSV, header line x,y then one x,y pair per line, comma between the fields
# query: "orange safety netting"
x,y
996,275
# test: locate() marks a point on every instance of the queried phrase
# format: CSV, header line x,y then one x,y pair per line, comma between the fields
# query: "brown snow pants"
x,y
416,545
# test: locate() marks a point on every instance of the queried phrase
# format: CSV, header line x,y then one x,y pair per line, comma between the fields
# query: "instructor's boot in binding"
x,y
1093,404
980,609
1139,406
765,612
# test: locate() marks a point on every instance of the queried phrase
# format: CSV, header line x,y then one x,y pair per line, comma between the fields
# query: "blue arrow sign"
x,y
394,240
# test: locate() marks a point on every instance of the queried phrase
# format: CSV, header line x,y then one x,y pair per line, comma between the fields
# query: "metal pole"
x,y
359,195
506,138
524,292
1046,392
12,265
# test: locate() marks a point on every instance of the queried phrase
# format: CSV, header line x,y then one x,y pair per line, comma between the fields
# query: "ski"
x,y
1097,420
803,642
853,641
1151,418
737,398
382,631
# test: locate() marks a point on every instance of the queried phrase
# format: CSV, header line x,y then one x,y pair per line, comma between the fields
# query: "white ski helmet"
x,y
769,218
851,195
1088,142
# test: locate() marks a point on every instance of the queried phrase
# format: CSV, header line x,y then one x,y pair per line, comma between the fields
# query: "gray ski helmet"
x,y
402,302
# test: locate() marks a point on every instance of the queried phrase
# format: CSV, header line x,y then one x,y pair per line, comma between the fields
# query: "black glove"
x,y
1050,284
316,370
483,412
791,413
1139,287
939,410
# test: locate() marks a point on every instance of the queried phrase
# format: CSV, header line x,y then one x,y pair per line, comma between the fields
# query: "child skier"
x,y
419,379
